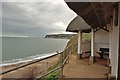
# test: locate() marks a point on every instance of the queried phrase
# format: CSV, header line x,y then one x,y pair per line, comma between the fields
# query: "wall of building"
x,y
114,42
101,40
114,50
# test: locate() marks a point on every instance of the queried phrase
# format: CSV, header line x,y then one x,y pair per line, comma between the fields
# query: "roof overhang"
x,y
78,24
95,14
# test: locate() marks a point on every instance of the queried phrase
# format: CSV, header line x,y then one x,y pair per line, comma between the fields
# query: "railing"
x,y
65,58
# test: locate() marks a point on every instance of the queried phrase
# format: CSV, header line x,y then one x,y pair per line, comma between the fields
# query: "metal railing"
x,y
65,58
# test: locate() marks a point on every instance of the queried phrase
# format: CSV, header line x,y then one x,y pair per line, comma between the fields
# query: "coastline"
x,y
30,71
26,59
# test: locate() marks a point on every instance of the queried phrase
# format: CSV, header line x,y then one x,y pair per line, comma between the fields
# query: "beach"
x,y
30,71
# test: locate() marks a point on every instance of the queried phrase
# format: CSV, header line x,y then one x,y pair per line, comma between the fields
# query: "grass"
x,y
53,75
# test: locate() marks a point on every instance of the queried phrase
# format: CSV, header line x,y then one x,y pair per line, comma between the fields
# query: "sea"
x,y
23,49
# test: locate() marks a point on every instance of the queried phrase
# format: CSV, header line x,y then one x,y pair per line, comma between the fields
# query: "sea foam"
x,y
26,59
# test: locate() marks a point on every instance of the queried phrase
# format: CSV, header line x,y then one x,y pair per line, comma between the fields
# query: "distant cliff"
x,y
61,36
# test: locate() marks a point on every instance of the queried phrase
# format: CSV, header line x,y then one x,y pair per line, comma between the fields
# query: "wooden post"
x,y
79,44
69,53
92,60
47,65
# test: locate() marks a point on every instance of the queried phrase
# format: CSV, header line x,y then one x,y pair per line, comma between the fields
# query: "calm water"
x,y
17,48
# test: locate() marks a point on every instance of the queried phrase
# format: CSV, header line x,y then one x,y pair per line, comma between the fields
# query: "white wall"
x,y
114,41
114,50
101,40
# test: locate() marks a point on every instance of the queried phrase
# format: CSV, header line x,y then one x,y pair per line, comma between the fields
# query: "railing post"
x,y
69,53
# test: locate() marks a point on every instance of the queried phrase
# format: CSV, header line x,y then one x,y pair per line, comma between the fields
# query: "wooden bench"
x,y
103,51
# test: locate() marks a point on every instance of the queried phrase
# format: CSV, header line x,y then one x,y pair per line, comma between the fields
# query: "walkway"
x,y
82,69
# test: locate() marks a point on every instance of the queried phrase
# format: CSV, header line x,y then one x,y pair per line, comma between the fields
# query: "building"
x,y
102,19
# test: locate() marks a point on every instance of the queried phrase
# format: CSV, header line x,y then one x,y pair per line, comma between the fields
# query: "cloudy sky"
x,y
35,18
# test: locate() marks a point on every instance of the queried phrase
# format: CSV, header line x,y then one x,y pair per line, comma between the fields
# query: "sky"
x,y
35,18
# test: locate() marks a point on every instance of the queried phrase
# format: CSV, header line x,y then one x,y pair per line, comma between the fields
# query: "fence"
x,y
64,55
65,58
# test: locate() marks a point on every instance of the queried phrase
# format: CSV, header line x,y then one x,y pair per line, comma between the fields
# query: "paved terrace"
x,y
82,69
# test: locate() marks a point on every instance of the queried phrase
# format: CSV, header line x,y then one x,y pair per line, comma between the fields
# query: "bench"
x,y
103,51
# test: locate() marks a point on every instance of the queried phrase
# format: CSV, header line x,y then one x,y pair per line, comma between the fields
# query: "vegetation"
x,y
53,76
86,37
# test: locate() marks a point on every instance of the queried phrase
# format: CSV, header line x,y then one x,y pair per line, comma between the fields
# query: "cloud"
x,y
60,24
35,18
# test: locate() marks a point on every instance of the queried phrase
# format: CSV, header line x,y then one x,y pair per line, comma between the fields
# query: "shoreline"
x,y
30,61
30,70
26,59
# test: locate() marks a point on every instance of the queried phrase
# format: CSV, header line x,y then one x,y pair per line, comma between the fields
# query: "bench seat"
x,y
103,52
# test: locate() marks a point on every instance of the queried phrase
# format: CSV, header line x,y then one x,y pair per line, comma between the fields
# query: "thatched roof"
x,y
78,24
96,14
